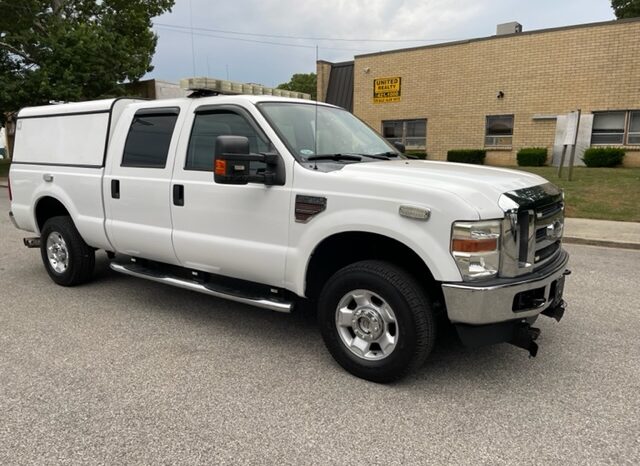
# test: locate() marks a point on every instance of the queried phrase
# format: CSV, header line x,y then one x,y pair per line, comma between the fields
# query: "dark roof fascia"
x,y
342,63
503,36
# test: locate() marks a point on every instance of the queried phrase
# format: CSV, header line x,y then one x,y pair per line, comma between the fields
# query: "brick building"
x,y
501,93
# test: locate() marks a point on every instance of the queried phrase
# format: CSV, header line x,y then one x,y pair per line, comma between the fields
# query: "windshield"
x,y
339,133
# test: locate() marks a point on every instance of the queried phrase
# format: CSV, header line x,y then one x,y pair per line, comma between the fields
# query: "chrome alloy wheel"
x,y
366,325
57,252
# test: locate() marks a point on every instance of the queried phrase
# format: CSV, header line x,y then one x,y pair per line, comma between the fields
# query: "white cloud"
x,y
343,19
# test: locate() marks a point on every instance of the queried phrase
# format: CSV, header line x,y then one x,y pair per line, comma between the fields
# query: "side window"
x,y
149,137
208,126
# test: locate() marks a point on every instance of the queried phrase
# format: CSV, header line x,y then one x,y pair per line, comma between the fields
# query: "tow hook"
x,y
32,242
524,337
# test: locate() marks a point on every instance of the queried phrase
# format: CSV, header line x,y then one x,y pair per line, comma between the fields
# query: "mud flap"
x,y
518,333
525,337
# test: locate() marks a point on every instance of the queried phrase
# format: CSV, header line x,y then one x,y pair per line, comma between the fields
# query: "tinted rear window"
x,y
148,141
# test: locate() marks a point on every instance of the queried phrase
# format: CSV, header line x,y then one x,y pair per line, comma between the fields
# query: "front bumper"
x,y
506,299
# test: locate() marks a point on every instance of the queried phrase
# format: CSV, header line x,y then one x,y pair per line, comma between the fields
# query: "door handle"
x,y
178,194
115,189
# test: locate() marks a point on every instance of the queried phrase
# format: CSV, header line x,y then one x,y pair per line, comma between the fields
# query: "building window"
x,y
634,128
499,131
411,133
608,128
616,128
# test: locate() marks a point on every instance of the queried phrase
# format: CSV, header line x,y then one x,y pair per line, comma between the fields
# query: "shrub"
x,y
532,156
603,156
476,156
416,154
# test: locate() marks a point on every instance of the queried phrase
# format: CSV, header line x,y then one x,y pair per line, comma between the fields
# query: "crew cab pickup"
x,y
273,202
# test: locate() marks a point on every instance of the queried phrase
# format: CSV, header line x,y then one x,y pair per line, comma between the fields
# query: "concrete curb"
x,y
601,242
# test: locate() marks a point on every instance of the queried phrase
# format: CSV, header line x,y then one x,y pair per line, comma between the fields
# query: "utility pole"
x,y
573,149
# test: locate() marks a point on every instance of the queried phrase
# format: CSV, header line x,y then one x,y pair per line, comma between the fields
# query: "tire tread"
x,y
82,256
418,303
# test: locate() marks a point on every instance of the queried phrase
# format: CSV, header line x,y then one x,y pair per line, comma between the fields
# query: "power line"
x,y
281,36
255,41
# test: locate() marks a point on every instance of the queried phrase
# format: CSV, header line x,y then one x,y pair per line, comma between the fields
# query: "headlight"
x,y
475,246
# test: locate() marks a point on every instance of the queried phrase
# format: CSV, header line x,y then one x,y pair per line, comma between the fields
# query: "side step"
x,y
219,291
32,242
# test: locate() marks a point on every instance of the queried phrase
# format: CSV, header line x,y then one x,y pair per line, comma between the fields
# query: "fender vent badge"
x,y
419,213
308,207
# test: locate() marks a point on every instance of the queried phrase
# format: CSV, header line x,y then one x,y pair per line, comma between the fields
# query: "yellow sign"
x,y
386,90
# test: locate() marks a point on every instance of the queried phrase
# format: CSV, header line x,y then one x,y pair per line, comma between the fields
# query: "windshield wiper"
x,y
352,157
382,155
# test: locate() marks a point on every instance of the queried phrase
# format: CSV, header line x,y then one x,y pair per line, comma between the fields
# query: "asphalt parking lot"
x,y
127,371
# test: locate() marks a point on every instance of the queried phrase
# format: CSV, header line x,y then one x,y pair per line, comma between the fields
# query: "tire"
x,y
69,261
362,335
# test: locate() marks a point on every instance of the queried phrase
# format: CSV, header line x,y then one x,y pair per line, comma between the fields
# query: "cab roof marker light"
x,y
222,86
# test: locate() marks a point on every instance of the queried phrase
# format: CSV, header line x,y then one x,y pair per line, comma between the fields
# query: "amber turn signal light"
x,y
474,245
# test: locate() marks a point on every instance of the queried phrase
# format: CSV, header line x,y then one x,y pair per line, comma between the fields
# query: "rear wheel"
x,y
376,321
67,258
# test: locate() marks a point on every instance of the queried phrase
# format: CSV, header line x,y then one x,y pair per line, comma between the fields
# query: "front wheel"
x,y
376,321
68,259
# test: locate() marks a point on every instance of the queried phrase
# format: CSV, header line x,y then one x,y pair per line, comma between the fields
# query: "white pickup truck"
x,y
270,201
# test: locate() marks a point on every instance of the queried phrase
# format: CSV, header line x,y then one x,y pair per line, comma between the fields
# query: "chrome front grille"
x,y
549,224
532,229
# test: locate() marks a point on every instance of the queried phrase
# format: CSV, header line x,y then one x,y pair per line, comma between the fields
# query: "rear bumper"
x,y
507,299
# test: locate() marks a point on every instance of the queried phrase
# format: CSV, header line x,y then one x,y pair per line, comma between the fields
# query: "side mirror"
x,y
400,147
232,163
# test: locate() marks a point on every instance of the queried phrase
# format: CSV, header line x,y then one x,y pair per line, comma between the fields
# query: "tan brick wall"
x,y
323,72
554,72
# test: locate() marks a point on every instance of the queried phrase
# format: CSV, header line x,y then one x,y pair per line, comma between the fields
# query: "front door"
x,y
233,230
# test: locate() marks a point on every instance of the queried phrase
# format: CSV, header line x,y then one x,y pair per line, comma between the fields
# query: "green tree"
x,y
73,49
301,82
626,8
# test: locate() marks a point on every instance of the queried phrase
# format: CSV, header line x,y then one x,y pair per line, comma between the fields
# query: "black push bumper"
x,y
519,333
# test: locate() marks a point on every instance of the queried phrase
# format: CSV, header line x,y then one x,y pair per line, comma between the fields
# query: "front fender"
x,y
429,240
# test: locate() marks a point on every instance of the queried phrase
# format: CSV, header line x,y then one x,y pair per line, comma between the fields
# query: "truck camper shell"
x,y
75,134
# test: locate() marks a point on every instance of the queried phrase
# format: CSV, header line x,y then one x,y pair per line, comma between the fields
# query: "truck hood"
x,y
479,186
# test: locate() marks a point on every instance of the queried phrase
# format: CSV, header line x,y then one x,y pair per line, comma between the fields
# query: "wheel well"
x,y
343,249
48,207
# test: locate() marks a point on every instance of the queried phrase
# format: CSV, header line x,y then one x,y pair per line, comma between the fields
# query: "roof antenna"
x,y
193,48
315,127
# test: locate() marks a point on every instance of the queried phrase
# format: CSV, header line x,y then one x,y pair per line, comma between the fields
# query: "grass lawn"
x,y
601,193
4,168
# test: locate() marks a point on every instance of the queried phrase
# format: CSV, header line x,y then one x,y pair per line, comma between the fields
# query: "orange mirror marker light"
x,y
221,167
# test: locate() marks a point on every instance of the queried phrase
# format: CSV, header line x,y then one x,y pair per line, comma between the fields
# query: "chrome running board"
x,y
136,270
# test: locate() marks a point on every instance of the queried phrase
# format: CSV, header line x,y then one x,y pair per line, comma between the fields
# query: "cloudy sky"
x,y
266,41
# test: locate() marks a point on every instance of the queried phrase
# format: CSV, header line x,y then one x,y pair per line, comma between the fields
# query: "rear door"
x,y
137,184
